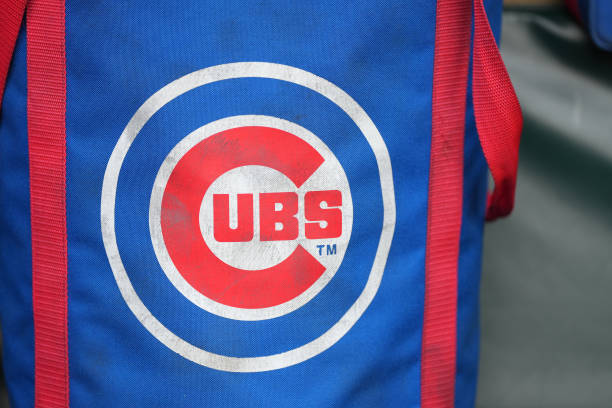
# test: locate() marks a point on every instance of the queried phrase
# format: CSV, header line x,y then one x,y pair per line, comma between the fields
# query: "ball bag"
x,y
248,203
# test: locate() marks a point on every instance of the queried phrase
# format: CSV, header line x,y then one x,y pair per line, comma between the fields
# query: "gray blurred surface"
x,y
546,295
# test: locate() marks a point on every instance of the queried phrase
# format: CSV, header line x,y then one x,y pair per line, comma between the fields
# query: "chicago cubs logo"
x,y
241,214
250,216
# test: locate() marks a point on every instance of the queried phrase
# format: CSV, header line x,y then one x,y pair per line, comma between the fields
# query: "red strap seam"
x,y
11,15
46,66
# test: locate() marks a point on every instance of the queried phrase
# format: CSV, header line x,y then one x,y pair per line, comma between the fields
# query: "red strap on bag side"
x,y
47,155
499,123
450,75
11,15
46,69
499,120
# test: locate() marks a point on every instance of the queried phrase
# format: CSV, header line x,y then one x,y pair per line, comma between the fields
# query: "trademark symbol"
x,y
329,249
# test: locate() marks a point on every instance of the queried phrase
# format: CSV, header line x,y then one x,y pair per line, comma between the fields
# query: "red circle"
x,y
183,195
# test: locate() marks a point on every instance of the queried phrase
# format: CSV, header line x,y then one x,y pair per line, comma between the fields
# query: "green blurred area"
x,y
546,295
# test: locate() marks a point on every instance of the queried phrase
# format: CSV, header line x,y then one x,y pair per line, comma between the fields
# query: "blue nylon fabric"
x,y
15,239
119,54
474,203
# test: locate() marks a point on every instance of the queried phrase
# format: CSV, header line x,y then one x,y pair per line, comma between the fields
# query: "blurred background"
x,y
546,296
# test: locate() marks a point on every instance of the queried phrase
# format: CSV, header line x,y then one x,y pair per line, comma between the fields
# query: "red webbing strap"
x,y
451,62
46,66
498,115
499,122
11,14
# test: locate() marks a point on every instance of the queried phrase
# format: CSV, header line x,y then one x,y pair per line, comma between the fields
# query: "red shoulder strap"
x,y
11,14
499,123
46,70
498,115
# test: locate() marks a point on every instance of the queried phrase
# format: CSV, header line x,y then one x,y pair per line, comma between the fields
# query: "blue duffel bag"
x,y
248,203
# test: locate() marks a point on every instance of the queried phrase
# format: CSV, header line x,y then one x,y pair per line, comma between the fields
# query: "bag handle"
x,y
499,120
11,15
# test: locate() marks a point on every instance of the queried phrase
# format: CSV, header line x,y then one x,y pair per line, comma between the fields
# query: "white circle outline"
x,y
107,213
159,186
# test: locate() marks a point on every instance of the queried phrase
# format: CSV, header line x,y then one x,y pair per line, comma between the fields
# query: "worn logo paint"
x,y
242,214
250,216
